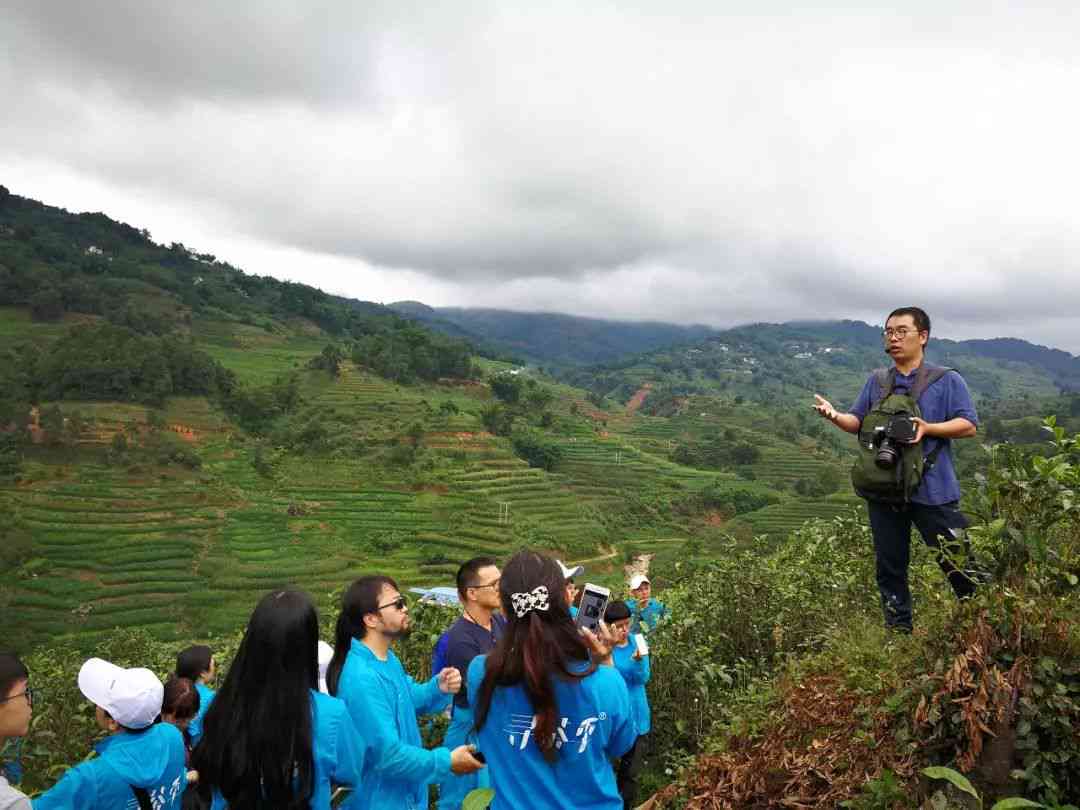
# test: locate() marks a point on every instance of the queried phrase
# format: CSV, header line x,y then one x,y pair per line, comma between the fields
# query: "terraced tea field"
x,y
186,554
778,520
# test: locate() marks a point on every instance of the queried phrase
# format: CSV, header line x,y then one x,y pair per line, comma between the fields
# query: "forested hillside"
x,y
551,338
180,436
789,362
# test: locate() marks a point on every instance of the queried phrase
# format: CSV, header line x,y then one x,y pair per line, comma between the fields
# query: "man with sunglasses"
x,y
947,413
384,701
475,633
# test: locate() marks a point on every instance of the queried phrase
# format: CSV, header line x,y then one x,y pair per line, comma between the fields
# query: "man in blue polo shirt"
x,y
947,413
475,633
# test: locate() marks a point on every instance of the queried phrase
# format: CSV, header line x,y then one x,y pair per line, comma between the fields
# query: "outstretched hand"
x,y
825,408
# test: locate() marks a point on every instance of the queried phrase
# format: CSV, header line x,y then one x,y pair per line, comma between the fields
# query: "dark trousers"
x,y
626,776
941,528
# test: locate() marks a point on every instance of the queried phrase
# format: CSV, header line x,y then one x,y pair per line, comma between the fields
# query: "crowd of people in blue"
x,y
547,714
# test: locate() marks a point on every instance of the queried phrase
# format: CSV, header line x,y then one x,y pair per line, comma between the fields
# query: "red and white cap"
x,y
132,697
637,580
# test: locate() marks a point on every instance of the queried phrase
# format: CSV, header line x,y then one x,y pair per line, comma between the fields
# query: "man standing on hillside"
x,y
947,413
475,633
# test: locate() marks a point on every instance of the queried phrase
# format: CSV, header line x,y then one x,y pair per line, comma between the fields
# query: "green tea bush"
x,y
739,615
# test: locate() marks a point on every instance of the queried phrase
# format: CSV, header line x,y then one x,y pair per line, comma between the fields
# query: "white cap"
x,y
570,573
637,580
132,697
326,652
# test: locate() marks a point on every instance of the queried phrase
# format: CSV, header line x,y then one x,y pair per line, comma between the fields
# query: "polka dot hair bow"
x,y
536,599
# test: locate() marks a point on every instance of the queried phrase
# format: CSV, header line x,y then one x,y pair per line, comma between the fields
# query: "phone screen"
x,y
594,601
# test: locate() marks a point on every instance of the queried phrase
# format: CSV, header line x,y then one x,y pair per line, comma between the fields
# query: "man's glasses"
x,y
28,694
397,604
900,332
493,584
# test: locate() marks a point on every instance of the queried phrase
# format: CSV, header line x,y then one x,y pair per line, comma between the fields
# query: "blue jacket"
x,y
636,673
206,696
152,760
336,748
595,725
384,703
644,621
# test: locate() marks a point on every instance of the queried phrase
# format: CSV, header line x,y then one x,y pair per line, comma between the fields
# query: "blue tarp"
x,y
439,595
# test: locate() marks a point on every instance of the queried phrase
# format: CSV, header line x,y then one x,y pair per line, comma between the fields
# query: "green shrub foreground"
x,y
774,685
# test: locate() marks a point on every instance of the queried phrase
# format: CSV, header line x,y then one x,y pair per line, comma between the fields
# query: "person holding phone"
x,y
551,710
631,659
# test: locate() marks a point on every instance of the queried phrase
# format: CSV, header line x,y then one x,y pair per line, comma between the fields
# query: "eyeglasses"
x,y
900,332
397,604
28,693
493,584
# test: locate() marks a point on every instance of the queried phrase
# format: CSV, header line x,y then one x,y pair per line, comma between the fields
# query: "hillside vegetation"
x,y
180,436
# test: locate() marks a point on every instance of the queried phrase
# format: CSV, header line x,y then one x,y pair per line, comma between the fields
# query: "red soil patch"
x,y
714,518
438,489
184,432
638,398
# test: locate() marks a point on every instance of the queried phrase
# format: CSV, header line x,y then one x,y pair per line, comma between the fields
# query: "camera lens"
x,y
887,455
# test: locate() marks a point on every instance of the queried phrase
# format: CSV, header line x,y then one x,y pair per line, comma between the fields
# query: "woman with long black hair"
x,y
270,738
551,710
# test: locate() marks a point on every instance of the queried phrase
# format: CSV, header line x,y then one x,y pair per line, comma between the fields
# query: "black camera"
x,y
900,429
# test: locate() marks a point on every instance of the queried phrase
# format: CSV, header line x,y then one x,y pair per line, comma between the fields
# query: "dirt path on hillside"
x,y
638,398
639,564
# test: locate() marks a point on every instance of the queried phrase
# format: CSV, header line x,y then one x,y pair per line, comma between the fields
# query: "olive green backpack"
x,y
895,484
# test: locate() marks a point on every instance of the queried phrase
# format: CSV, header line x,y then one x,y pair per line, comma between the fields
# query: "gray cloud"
x,y
712,162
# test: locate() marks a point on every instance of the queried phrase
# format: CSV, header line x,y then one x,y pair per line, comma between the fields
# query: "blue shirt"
x,y
384,702
206,696
152,760
636,673
596,724
438,655
337,751
645,620
946,399
465,641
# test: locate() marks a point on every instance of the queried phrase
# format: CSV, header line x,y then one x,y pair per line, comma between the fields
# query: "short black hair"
x,y
193,661
12,670
922,320
466,574
616,611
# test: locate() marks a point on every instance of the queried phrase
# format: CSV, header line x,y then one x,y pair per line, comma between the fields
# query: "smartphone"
x,y
594,601
641,644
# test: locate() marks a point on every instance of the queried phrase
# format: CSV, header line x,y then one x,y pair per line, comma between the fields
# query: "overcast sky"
x,y
715,162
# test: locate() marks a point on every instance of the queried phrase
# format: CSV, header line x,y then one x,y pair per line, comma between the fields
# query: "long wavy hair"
x,y
536,648
359,599
256,747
